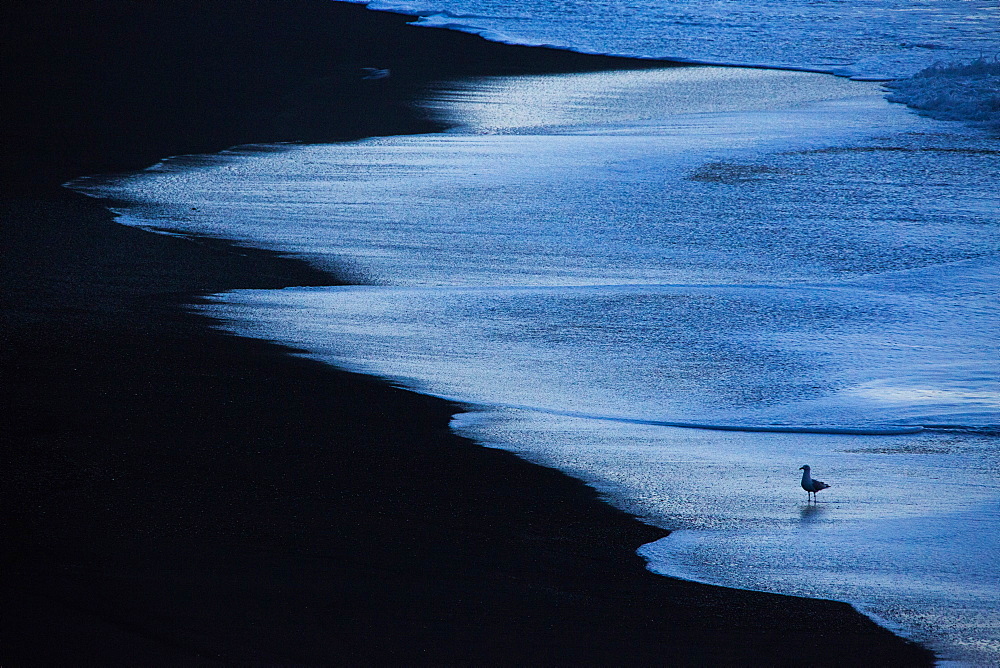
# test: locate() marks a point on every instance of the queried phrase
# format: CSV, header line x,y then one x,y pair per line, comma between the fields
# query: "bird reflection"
x,y
811,512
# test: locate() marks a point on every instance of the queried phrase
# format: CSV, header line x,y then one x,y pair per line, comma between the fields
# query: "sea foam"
x,y
957,91
561,247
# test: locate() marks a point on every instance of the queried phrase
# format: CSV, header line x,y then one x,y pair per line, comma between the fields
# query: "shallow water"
x,y
587,257
866,38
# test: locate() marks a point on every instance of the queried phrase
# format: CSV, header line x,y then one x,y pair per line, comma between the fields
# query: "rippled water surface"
x,y
586,259
868,38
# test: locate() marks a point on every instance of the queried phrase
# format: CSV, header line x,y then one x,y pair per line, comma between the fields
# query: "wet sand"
x,y
177,496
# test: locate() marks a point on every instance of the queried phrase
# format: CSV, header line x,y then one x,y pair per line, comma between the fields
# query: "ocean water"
x,y
861,38
679,285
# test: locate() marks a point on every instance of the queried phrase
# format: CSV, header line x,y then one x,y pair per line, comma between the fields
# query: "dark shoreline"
x,y
173,495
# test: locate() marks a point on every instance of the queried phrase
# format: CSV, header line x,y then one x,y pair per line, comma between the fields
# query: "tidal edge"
x,y
173,495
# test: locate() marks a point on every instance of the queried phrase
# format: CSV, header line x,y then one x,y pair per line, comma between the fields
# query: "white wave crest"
x,y
959,91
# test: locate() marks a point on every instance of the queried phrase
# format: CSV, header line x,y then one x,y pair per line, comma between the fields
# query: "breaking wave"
x,y
958,91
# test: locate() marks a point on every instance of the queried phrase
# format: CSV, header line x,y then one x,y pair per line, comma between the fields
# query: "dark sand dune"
x,y
176,496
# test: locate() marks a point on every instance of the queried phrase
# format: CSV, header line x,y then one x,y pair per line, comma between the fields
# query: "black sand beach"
x,y
173,495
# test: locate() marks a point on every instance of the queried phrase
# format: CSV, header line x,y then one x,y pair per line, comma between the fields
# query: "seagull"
x,y
810,484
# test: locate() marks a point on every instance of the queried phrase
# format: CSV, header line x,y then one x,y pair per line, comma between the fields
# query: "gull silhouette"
x,y
810,484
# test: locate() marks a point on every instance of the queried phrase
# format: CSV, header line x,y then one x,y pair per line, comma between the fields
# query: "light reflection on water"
x,y
822,259
881,38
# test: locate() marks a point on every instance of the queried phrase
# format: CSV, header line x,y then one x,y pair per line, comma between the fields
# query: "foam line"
x,y
894,430
884,430
890,430
435,21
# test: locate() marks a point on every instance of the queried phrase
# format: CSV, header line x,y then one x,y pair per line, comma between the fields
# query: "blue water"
x,y
862,38
587,261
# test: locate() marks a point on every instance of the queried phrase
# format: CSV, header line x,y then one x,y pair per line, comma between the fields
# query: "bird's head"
x,y
804,467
